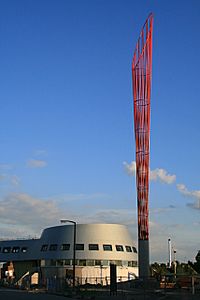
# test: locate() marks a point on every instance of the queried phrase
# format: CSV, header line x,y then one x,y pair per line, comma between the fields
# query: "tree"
x,y
196,266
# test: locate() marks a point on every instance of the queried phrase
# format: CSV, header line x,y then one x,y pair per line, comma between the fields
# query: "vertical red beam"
x,y
141,76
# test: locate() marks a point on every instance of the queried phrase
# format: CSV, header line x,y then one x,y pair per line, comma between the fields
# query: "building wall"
x,y
54,249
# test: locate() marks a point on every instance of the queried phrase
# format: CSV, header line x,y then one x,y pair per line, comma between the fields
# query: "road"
x,y
7,294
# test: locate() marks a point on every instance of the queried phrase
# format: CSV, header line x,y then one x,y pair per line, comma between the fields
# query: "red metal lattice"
x,y
141,76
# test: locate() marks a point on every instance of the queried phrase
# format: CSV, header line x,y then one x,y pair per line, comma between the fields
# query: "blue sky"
x,y
67,143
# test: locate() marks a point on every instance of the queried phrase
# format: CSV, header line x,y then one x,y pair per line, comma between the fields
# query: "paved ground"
x,y
8,294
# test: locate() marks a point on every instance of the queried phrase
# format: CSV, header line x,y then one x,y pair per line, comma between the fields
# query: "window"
x,y
93,247
60,262
118,263
24,249
97,263
67,262
119,248
44,247
128,249
15,250
53,247
132,263
82,262
125,263
6,249
107,247
90,262
52,262
105,262
79,246
134,249
65,247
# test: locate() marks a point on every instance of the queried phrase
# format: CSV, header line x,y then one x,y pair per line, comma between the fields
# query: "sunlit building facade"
x,y
97,246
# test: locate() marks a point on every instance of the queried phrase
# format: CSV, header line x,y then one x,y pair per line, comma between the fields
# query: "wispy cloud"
x,y
24,213
191,194
162,175
112,215
36,163
6,167
157,174
15,180
21,209
2,177
40,152
81,197
130,168
160,210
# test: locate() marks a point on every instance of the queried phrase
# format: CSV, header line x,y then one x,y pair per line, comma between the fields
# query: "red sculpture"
x,y
141,76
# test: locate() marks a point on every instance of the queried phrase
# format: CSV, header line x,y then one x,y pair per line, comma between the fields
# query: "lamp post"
x,y
170,252
74,247
175,263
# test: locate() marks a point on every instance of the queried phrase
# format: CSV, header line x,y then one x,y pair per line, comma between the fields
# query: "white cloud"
x,y
157,174
162,175
130,168
22,215
15,180
191,194
23,210
36,163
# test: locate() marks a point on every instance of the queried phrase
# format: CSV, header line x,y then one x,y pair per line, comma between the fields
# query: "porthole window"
x,y
24,249
65,247
79,246
134,249
53,247
93,247
119,248
128,249
6,249
44,248
15,250
107,247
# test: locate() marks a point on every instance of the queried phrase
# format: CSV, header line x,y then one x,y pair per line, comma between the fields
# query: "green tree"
x,y
196,266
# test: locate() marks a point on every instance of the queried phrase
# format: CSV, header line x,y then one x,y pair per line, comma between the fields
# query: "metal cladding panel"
x,y
100,234
32,252
141,76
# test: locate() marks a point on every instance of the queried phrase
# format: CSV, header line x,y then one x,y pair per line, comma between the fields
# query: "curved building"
x,y
97,246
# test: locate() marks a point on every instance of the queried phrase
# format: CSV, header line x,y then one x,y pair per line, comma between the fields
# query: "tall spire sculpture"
x,y
141,76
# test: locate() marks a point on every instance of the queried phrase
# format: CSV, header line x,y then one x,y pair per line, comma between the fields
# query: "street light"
x,y
175,263
74,247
